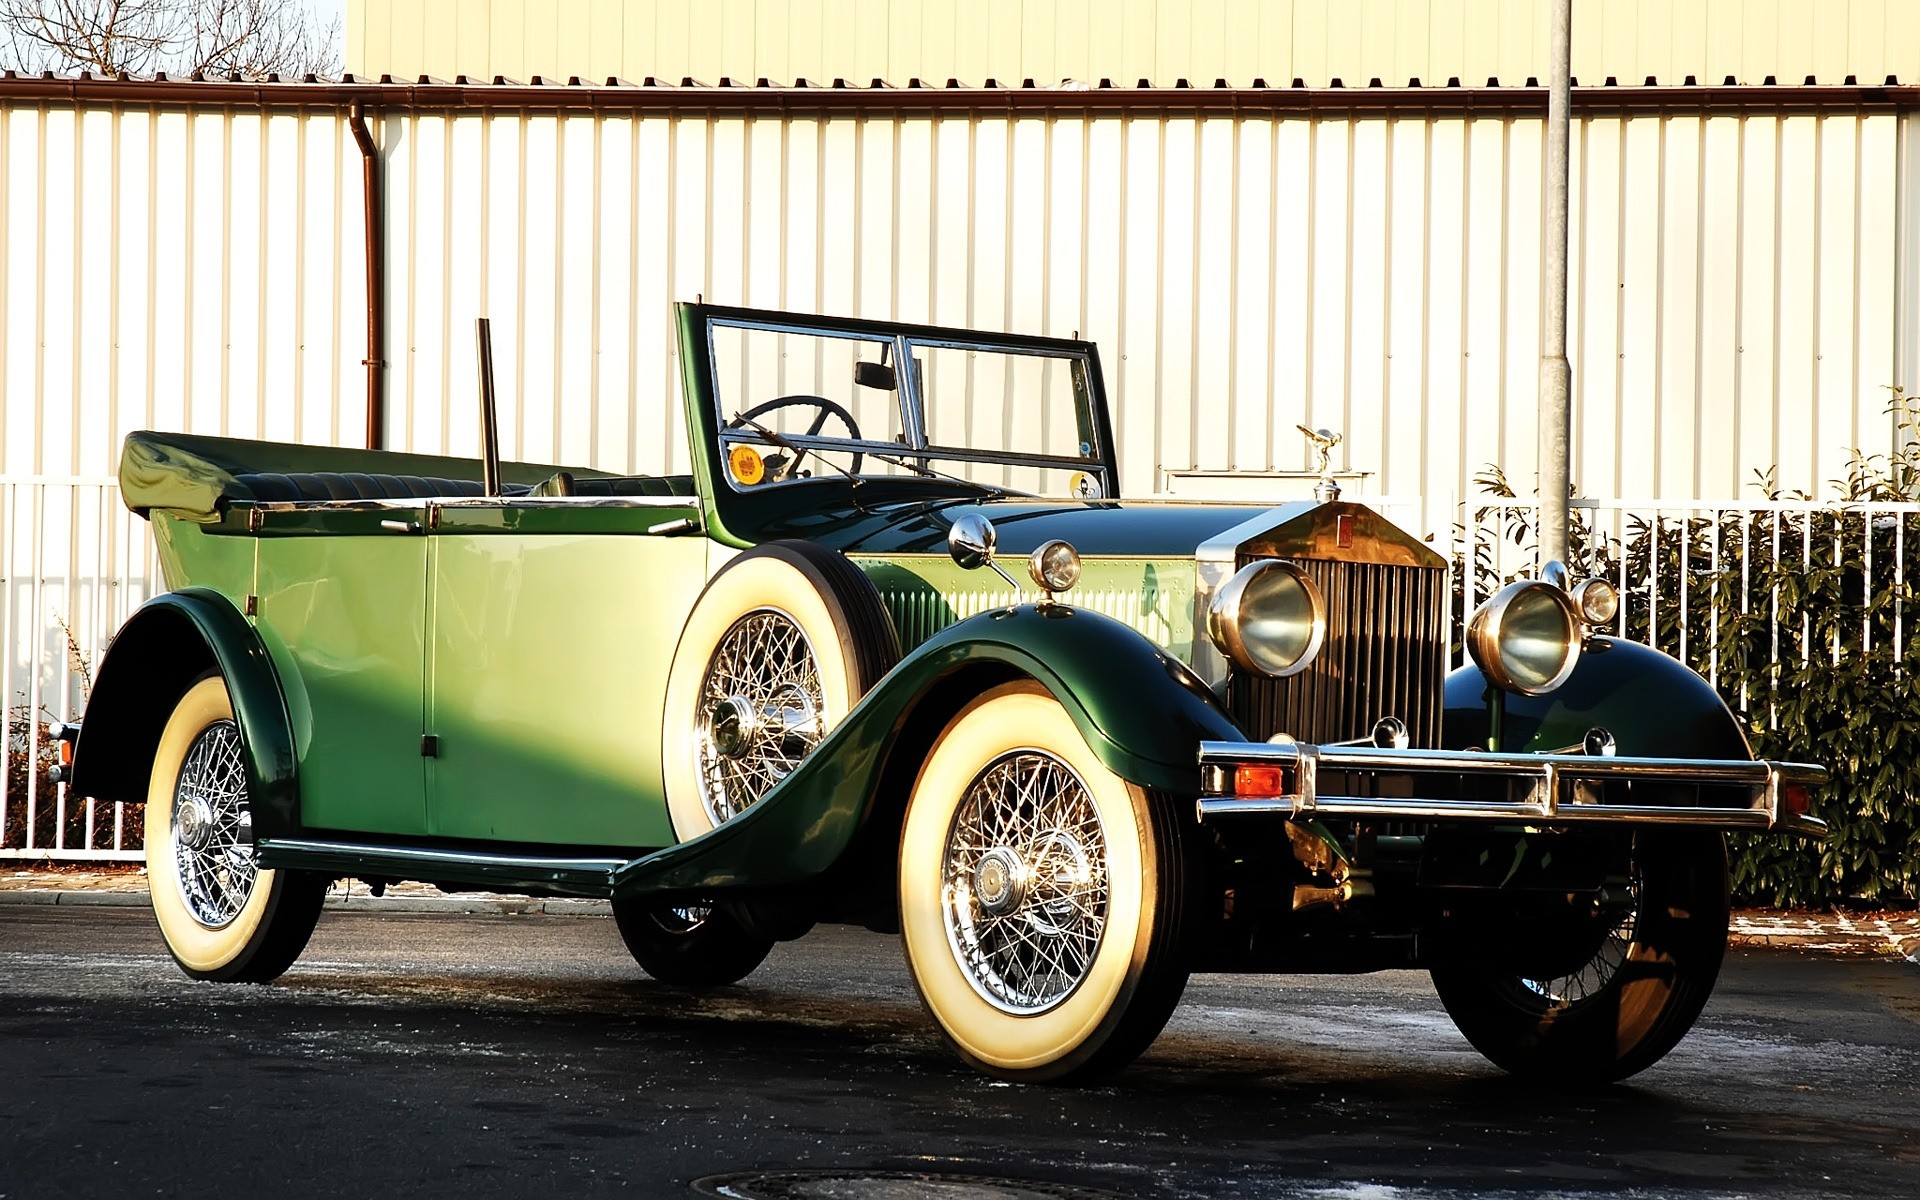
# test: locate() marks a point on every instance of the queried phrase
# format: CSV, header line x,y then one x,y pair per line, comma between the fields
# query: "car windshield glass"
x,y
808,403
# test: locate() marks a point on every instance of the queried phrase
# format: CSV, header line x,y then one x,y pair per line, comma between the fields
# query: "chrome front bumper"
x,y
1456,785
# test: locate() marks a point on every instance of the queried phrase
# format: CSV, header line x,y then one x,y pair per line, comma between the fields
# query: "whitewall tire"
x,y
1041,895
221,916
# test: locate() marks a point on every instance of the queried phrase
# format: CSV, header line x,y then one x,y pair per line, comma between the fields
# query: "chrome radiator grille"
x,y
1385,655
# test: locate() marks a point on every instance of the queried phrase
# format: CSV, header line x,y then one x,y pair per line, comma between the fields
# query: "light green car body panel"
x,y
344,619
535,654
548,662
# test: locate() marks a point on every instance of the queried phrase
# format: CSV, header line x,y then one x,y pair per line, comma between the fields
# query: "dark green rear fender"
x,y
173,640
1654,705
1142,712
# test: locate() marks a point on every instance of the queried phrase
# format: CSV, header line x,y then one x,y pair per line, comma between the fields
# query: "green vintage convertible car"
x,y
799,685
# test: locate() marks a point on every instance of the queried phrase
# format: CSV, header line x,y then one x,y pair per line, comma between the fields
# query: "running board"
x,y
563,876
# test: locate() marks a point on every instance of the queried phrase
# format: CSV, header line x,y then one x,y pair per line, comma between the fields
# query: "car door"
x,y
551,627
340,595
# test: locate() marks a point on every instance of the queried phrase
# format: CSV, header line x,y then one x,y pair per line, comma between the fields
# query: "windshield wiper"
x,y
987,490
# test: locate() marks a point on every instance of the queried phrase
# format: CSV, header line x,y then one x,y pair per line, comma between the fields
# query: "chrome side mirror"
x,y
971,541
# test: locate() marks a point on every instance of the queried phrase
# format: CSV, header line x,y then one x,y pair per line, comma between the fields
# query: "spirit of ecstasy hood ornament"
x,y
1323,442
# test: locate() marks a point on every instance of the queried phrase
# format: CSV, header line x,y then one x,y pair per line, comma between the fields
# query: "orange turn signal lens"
x,y
66,753
1250,779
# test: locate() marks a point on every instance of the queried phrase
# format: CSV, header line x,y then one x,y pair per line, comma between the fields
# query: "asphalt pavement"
x,y
515,1053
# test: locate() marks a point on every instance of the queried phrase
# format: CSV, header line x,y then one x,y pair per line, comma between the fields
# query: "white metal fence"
x,y
1683,567
76,564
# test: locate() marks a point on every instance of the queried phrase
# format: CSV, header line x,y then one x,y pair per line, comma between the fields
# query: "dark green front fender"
x,y
174,639
1655,707
1141,711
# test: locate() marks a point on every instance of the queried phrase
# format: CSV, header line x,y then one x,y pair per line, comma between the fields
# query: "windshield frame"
x,y
1093,427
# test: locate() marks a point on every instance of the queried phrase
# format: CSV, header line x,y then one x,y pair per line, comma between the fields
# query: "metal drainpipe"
x,y
376,226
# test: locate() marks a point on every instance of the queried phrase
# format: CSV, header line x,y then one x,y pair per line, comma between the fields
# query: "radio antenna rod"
x,y
489,420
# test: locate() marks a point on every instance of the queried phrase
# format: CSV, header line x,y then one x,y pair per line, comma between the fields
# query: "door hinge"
x,y
430,746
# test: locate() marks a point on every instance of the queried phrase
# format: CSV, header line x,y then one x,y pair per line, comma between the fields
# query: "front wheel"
x,y
222,917
1042,896
1632,999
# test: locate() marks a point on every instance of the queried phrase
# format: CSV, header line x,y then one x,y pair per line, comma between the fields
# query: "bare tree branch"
x,y
249,38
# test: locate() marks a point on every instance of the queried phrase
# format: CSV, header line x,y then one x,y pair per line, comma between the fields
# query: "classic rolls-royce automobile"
x,y
800,685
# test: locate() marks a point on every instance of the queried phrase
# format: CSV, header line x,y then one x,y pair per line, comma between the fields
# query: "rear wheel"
x,y
694,944
1041,895
222,917
1628,1002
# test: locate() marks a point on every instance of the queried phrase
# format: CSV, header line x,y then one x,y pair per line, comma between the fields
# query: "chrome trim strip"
x,y
744,435
415,503
452,858
1440,810
1551,780
569,502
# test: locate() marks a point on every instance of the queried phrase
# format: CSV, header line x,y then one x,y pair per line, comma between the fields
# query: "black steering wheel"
x,y
827,409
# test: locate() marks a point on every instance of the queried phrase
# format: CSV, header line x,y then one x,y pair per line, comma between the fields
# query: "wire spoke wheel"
x,y
1593,977
217,871
1025,882
759,711
1635,995
1043,897
688,944
223,917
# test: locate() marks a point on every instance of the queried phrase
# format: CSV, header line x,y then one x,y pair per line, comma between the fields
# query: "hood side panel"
x,y
926,593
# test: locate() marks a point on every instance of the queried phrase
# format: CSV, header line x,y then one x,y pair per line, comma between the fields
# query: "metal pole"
x,y
1556,377
489,417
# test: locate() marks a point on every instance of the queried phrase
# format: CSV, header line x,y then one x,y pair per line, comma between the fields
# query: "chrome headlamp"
x,y
1526,639
1269,618
1597,600
1054,566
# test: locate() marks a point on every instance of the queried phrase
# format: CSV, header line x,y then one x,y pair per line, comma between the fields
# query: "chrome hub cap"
x,y
195,820
732,726
759,714
1024,884
999,881
215,866
1592,979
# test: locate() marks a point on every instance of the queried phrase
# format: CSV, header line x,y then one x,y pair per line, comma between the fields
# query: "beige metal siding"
x,y
1129,40
178,269
1734,278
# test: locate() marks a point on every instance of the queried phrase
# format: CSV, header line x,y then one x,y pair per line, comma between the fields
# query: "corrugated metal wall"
x,y
1734,277
1127,40
175,269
